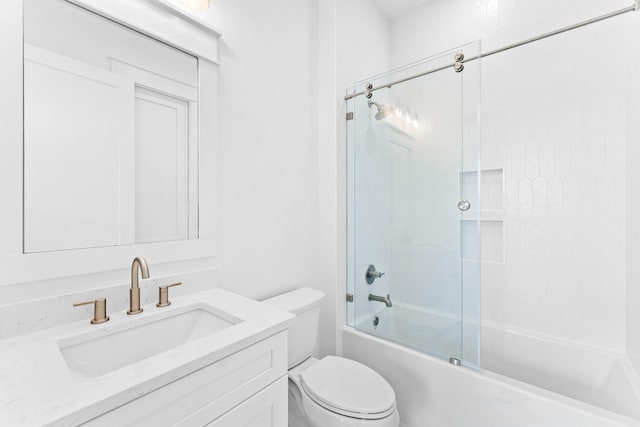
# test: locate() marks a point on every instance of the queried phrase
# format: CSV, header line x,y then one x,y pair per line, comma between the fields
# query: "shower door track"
x,y
635,6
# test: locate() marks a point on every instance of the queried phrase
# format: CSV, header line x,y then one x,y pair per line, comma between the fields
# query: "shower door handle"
x,y
464,205
372,274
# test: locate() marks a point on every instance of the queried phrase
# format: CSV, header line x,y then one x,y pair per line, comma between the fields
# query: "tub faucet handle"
x,y
373,274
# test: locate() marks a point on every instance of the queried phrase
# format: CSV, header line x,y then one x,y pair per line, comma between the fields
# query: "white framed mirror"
x,y
116,153
110,133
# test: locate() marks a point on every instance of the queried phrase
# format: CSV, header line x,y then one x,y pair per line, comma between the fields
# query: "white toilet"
x,y
333,391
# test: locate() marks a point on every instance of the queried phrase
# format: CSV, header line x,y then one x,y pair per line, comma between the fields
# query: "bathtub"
x,y
525,380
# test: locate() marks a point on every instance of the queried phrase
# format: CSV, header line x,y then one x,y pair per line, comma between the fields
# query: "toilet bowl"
x,y
333,391
336,392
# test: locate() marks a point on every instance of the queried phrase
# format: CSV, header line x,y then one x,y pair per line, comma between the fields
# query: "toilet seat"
x,y
348,388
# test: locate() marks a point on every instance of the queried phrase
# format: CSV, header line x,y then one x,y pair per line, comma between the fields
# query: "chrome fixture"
x,y
367,90
384,111
454,361
458,65
376,321
349,297
99,310
464,205
372,274
163,295
139,263
386,300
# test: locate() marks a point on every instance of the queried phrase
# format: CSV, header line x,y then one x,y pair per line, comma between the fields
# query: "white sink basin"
x,y
96,354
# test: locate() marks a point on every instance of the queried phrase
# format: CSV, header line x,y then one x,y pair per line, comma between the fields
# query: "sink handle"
x,y
99,310
163,297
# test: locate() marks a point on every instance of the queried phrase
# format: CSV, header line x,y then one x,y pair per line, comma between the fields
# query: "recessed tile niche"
x,y
489,209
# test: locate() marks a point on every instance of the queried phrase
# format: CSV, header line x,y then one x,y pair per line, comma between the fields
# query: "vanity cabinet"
x,y
248,387
266,409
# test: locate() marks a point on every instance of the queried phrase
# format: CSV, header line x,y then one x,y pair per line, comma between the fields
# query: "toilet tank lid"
x,y
297,301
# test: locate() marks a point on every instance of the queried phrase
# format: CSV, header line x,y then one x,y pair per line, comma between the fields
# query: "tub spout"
x,y
386,300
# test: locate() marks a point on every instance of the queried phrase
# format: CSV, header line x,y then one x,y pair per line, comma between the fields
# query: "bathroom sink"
x,y
93,355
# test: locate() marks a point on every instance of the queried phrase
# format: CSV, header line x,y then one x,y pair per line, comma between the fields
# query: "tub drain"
x,y
376,321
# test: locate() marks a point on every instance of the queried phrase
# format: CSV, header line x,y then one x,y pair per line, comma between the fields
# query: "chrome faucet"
x,y
139,263
386,300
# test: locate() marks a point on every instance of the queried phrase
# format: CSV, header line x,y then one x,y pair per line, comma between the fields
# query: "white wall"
x,y
553,116
265,146
281,135
361,50
11,109
326,181
276,219
633,201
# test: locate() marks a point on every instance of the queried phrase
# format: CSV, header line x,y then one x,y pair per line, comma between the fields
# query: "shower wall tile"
x,y
518,160
525,197
553,119
562,159
547,157
554,196
564,224
532,158
539,196
511,196
492,190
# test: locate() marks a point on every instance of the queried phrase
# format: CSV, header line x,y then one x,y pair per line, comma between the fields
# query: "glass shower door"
x,y
413,241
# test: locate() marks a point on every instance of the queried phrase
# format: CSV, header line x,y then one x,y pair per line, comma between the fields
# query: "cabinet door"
x,y
266,409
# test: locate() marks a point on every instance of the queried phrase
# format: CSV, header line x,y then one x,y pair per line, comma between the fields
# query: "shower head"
x,y
384,111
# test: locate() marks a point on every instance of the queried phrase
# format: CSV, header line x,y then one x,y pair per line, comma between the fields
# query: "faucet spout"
x,y
386,300
139,265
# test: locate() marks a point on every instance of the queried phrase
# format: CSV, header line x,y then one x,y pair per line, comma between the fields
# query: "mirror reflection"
x,y
110,138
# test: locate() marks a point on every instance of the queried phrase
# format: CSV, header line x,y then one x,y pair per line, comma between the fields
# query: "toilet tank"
x,y
303,333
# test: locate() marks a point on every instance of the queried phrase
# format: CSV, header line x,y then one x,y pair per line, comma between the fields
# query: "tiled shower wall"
x,y
557,126
554,124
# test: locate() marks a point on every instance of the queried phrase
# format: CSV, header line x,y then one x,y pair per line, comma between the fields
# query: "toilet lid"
x,y
349,388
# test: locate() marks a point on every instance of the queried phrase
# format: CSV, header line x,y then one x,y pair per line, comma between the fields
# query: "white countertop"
x,y
37,387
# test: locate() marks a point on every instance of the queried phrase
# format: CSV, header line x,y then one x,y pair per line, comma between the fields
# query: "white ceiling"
x,y
394,8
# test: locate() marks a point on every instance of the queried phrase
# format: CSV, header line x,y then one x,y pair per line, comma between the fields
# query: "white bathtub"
x,y
524,381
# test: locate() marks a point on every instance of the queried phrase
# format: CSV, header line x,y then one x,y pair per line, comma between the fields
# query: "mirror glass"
x,y
110,133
